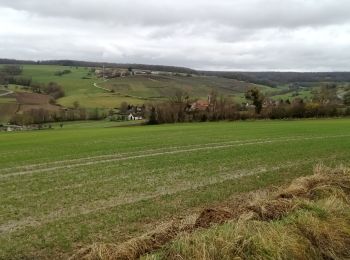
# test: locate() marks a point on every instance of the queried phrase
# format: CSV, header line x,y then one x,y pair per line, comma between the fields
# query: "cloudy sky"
x,y
310,35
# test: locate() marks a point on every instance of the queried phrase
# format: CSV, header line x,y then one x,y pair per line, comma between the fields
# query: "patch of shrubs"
x,y
62,72
53,89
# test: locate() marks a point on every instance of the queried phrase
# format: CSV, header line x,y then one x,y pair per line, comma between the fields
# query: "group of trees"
x,y
42,116
11,74
62,72
179,108
125,108
52,88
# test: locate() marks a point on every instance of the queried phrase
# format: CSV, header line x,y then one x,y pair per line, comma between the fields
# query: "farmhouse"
x,y
11,128
200,105
133,117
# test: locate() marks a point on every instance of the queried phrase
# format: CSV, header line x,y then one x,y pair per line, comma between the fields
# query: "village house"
x,y
134,117
11,128
111,73
201,105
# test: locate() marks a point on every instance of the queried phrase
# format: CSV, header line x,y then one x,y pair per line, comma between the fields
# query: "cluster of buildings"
x,y
112,73
109,73
17,128
130,113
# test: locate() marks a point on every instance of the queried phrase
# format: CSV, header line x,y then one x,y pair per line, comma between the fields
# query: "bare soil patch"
x,y
32,98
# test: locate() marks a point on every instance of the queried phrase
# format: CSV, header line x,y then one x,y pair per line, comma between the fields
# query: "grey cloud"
x,y
203,34
251,13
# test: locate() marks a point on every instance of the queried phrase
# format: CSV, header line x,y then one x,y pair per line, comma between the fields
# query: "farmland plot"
x,y
66,188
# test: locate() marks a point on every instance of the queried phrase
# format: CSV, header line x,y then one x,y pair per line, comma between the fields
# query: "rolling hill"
x,y
92,92
83,86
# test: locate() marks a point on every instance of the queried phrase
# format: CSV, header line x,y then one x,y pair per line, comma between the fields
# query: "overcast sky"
x,y
310,35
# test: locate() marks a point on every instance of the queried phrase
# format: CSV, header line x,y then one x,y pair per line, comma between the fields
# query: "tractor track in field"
x,y
125,154
132,153
105,204
154,153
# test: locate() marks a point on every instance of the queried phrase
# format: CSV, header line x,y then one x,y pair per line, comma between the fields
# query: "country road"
x,y
97,86
9,92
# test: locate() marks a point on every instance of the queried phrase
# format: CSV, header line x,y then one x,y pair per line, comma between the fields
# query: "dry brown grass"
x,y
308,219
136,247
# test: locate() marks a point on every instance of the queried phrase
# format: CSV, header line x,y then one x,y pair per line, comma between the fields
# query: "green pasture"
x,y
73,82
135,90
304,94
140,89
62,189
160,87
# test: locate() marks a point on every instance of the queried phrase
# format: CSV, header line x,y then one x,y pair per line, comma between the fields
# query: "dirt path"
x,y
145,154
97,86
9,92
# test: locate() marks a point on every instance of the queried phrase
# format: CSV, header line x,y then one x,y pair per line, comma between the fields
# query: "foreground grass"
x,y
66,188
314,223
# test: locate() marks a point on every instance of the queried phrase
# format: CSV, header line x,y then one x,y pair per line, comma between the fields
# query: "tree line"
x,y
76,63
180,107
43,116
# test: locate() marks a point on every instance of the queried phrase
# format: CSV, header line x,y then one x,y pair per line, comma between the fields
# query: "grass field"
x,y
160,87
66,188
79,86
73,83
304,94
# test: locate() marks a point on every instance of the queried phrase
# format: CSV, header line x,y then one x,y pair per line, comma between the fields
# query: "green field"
x,y
73,83
304,94
79,86
66,188
160,86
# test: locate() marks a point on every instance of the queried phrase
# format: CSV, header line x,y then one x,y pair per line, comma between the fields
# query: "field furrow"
x,y
68,164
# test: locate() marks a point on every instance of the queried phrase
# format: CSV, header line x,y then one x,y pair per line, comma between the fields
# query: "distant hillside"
x,y
274,79
83,87
76,63
271,79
